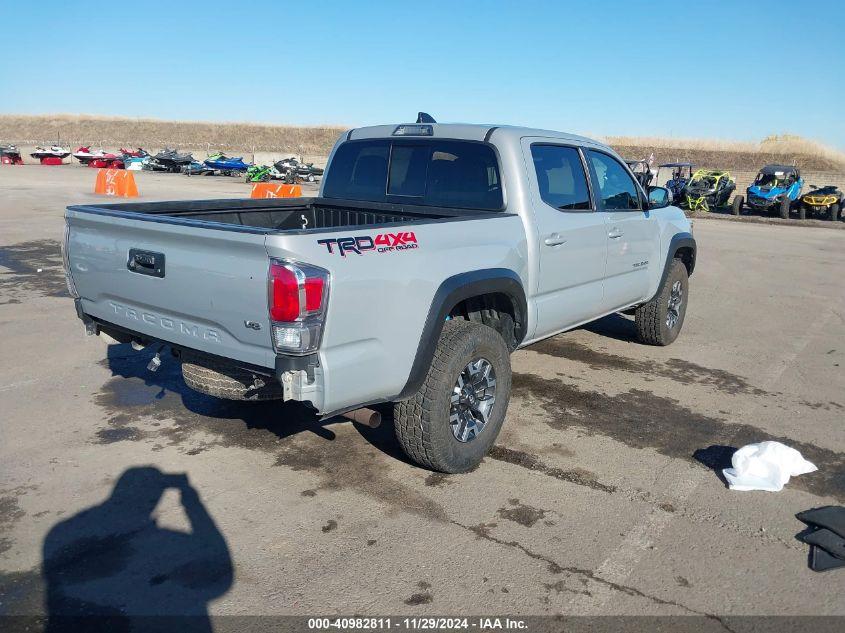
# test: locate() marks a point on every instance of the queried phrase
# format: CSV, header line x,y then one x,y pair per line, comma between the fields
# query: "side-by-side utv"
x,y
777,187
822,202
681,173
642,172
708,189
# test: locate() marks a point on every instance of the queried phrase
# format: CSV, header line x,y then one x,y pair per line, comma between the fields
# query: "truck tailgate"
x,y
199,287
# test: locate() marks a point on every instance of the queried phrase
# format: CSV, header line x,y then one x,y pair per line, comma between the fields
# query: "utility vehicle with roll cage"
x,y
680,175
641,170
708,189
432,252
777,187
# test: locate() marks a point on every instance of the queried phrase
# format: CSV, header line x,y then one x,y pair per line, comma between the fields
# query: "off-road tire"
x,y
784,208
834,212
223,380
422,422
736,207
650,318
802,211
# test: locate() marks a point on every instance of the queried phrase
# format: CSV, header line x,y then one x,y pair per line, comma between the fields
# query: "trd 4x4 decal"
x,y
382,243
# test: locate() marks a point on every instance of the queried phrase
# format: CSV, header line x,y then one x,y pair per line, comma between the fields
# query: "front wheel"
x,y
802,211
659,321
784,208
736,207
834,212
454,418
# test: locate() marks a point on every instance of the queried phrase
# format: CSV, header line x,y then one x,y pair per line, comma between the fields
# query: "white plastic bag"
x,y
765,466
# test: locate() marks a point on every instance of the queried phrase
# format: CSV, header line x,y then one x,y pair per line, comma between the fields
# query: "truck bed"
x,y
192,272
273,215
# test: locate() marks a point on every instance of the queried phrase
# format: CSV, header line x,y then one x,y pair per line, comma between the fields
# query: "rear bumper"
x,y
95,325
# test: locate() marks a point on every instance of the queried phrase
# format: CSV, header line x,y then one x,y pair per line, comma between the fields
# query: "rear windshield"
x,y
460,174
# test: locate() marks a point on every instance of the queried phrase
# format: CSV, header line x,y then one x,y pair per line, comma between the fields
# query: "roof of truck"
x,y
470,132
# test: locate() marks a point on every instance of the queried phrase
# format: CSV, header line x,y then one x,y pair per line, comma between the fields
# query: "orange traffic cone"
x,y
116,182
269,190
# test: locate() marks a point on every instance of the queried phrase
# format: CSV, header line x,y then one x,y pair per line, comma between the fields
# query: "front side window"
x,y
560,177
434,172
616,188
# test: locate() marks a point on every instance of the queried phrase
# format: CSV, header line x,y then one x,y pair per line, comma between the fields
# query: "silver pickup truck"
x,y
432,252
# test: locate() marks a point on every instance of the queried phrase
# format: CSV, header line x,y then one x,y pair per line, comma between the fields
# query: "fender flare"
x,y
451,292
678,241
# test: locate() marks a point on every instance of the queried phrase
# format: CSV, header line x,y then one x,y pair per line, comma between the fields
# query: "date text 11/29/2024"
x,y
418,624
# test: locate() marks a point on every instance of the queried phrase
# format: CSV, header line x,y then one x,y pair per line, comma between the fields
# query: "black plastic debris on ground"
x,y
825,534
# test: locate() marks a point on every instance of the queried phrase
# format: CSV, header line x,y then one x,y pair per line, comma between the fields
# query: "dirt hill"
x,y
154,134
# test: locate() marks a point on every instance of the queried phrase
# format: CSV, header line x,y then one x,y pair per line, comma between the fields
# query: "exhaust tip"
x,y
365,416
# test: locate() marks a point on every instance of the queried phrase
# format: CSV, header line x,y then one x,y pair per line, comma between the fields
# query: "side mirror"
x,y
813,187
659,197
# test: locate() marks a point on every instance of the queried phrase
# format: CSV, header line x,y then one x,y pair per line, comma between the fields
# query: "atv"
x,y
642,172
708,189
681,175
821,201
259,173
776,187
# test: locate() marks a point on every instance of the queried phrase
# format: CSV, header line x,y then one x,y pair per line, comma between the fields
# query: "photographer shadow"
x,y
112,568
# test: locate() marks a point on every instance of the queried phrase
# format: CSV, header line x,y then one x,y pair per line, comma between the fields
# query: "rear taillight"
x,y
297,298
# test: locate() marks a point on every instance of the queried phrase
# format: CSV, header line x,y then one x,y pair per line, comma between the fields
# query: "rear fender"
x,y
451,292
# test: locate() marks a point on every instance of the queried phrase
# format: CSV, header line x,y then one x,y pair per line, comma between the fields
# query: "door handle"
x,y
554,239
146,262
615,234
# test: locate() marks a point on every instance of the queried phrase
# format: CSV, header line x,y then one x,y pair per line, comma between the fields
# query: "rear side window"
x,y
459,174
560,177
616,187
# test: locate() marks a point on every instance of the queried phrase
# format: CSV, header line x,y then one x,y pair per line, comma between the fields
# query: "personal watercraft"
x,y
55,151
10,155
169,160
225,164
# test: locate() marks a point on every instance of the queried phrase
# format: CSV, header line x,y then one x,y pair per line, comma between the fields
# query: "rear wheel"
x,y
834,212
659,321
454,418
736,207
784,208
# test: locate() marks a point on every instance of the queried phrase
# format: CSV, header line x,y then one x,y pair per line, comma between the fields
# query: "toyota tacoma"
x,y
431,253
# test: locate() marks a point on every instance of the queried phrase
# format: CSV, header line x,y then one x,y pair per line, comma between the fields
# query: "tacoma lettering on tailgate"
x,y
166,323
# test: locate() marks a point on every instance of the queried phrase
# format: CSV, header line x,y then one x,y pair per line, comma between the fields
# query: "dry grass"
x,y
100,131
113,132
719,153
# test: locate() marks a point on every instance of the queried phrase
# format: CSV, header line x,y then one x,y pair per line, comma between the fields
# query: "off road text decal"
x,y
382,243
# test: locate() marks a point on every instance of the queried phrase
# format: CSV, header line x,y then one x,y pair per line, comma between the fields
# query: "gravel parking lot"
x,y
601,496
